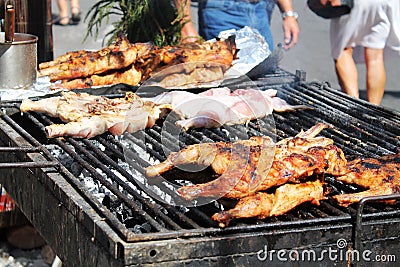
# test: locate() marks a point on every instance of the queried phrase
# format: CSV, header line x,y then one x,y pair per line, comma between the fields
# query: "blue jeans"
x,y
220,15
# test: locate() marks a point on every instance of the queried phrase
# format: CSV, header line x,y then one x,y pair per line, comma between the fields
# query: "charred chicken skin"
x,y
380,176
121,43
97,63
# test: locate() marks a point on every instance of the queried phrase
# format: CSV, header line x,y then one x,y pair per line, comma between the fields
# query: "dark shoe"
x,y
61,21
76,15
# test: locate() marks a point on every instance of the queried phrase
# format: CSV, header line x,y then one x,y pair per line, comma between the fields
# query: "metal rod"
x,y
39,164
19,149
359,215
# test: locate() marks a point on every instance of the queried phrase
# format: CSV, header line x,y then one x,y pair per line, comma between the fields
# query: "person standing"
x,y
218,15
373,26
63,17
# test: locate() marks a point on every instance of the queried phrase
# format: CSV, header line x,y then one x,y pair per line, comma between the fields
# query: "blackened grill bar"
x,y
128,227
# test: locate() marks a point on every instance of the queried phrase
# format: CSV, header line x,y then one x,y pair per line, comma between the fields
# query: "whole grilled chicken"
x,y
257,164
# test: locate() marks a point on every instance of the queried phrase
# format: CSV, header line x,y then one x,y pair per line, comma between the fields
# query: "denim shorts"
x,y
220,15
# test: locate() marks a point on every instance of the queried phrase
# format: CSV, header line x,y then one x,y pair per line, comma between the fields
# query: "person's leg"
x,y
220,15
215,16
63,12
376,75
75,11
346,72
270,9
259,19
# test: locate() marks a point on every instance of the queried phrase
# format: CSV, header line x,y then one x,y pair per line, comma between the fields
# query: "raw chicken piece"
x,y
217,107
89,115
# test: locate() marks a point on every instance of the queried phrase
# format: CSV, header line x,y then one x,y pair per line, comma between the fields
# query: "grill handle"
x,y
359,214
28,164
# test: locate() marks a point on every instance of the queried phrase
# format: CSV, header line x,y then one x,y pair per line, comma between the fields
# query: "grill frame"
x,y
102,244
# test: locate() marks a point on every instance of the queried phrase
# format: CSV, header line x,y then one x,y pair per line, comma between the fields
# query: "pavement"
x,y
311,54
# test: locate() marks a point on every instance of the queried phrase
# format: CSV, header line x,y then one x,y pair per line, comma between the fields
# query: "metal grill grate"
x,y
356,127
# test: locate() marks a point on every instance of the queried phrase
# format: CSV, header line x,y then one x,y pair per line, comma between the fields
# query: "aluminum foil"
x,y
40,88
252,50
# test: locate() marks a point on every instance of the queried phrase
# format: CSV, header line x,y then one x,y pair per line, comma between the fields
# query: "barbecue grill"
x,y
89,207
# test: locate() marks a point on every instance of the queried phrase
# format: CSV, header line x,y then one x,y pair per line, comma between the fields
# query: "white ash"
x,y
103,195
130,146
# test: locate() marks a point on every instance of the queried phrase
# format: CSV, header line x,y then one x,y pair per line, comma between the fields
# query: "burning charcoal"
x,y
106,201
183,209
111,201
143,228
137,229
76,168
146,226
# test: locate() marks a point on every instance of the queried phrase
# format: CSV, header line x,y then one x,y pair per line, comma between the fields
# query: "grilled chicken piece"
x,y
215,154
184,76
232,160
380,176
121,43
130,76
221,52
255,165
291,168
82,69
262,205
88,115
218,155
95,63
